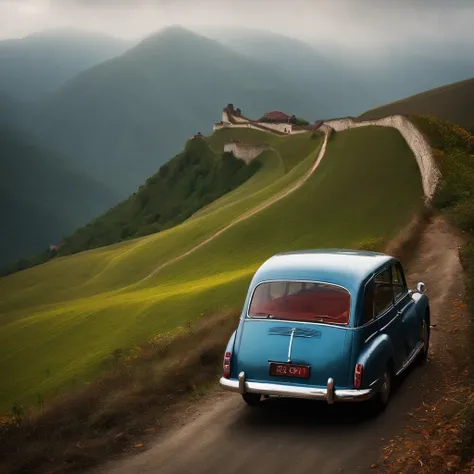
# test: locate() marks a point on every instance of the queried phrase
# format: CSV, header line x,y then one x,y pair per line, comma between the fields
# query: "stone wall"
x,y
430,174
295,132
225,117
219,126
240,119
279,127
244,152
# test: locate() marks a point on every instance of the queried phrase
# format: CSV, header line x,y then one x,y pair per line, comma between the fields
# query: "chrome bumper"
x,y
329,393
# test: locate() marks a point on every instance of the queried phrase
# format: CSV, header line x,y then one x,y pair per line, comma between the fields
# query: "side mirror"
x,y
421,287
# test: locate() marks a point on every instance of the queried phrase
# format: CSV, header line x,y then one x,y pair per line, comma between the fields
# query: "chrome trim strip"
x,y
390,322
406,306
338,326
291,343
371,336
403,295
292,391
412,357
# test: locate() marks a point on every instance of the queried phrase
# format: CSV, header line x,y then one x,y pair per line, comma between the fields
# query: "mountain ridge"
x,y
453,102
35,66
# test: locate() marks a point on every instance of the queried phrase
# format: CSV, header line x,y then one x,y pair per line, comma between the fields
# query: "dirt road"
x,y
222,435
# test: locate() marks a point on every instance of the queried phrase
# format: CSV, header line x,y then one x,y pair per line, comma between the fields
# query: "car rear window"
x,y
301,301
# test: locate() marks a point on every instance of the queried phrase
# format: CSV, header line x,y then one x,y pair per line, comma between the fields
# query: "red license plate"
x,y
289,370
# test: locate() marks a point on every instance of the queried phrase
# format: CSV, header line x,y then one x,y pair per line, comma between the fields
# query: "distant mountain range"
x,y
330,85
121,120
42,199
36,66
105,114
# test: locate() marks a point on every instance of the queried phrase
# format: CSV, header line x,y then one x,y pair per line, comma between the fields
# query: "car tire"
x,y
425,338
382,397
252,399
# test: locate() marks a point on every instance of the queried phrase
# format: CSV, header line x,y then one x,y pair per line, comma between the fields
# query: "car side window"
x,y
383,297
399,285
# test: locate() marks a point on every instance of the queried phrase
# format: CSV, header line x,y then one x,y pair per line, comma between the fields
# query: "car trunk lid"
x,y
325,349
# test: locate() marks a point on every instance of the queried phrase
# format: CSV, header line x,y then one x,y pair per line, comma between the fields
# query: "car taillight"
x,y
358,375
227,365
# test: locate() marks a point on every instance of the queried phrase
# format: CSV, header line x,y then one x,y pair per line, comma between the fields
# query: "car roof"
x,y
347,268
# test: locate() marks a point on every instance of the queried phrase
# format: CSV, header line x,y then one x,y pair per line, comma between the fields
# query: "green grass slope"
x,y
61,321
195,177
454,102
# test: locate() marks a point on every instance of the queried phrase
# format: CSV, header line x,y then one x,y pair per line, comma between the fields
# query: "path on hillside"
x,y
223,435
247,214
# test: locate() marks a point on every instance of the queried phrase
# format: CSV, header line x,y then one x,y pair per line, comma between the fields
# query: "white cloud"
x,y
370,24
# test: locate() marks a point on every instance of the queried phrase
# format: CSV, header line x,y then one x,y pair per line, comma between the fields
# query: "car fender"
x,y
230,343
422,304
374,357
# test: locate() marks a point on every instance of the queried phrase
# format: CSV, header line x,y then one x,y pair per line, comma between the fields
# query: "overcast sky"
x,y
361,23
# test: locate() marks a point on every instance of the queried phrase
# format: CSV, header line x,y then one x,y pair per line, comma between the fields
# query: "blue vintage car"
x,y
334,325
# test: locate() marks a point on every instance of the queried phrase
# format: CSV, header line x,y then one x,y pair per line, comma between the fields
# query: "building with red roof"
x,y
277,116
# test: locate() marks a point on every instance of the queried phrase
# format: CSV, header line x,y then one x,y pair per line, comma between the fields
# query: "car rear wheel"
x,y
252,399
382,397
425,339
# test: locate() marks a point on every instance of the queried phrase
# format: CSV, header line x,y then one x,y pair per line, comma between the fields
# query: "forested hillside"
x,y
185,184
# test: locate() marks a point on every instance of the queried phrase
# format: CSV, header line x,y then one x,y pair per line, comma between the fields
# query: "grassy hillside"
x,y
454,102
132,113
41,198
37,65
185,184
62,321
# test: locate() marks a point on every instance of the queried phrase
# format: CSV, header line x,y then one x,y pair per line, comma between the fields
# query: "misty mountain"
x,y
402,70
41,199
349,80
330,84
37,65
122,119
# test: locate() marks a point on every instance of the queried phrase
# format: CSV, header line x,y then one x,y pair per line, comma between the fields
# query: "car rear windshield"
x,y
301,301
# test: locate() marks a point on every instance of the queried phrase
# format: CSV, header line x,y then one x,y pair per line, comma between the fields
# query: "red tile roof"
x,y
275,115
